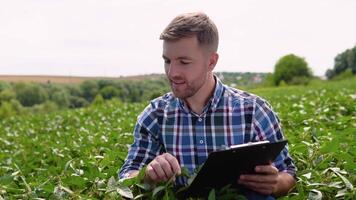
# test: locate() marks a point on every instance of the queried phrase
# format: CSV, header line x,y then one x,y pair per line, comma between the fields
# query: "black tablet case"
x,y
225,166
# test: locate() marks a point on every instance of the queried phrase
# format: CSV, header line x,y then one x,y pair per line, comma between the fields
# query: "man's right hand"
x,y
162,169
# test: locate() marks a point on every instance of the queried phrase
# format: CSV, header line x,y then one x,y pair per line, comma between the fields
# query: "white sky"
x,y
115,37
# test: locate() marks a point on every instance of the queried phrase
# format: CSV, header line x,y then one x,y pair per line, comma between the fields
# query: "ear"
x,y
213,59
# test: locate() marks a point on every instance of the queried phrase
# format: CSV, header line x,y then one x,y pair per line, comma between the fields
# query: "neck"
x,y
198,101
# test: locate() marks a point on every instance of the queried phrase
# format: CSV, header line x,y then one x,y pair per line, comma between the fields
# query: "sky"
x,y
119,38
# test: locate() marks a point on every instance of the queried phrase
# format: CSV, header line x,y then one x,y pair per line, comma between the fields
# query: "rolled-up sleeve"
x,y
267,126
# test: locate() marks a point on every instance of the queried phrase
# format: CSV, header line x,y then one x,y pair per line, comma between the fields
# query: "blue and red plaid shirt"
x,y
230,117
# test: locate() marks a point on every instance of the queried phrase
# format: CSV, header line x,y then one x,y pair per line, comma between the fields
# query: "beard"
x,y
183,89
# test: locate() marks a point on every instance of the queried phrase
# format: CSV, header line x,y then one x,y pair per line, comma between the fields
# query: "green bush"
x,y
45,107
89,90
291,67
344,75
7,95
98,100
10,108
30,94
77,102
61,98
109,92
4,85
343,62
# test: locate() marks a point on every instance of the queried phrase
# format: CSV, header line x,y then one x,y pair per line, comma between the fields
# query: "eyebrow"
x,y
179,58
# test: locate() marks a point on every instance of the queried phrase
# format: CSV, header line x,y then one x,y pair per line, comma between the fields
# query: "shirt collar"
x,y
214,100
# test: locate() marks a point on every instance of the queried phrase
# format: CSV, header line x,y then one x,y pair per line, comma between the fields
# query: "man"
x,y
201,115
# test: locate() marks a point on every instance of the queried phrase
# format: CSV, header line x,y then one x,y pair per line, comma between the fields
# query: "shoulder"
x,y
160,105
238,96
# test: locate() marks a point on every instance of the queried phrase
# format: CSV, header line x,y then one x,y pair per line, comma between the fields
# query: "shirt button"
x,y
200,119
201,141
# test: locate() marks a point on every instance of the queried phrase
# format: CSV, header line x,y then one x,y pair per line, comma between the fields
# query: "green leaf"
x,y
348,184
315,195
341,193
307,175
124,191
144,186
76,181
141,174
129,181
157,190
185,172
211,195
111,186
141,196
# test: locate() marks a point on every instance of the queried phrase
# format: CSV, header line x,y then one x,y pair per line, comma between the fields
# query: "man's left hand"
x,y
264,182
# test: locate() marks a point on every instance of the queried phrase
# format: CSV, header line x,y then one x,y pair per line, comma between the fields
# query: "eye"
x,y
166,61
183,62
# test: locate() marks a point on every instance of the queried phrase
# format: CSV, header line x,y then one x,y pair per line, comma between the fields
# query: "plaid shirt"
x,y
230,117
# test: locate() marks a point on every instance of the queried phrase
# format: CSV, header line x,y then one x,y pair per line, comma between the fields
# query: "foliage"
x,y
319,123
46,107
98,100
76,154
4,85
109,91
69,154
89,90
343,75
240,79
292,69
7,95
61,98
10,108
30,94
343,62
83,94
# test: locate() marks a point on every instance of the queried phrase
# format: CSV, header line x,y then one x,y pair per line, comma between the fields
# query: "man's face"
x,y
186,66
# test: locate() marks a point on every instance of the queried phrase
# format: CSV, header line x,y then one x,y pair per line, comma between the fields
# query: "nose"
x,y
172,70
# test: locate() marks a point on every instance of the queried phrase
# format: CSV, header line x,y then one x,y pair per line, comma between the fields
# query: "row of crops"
x,y
76,154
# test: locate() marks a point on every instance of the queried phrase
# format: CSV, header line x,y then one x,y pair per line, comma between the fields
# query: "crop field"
x,y
76,154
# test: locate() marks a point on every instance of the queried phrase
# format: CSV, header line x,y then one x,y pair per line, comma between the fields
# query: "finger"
x,y
173,163
158,170
165,166
266,169
258,187
151,174
259,178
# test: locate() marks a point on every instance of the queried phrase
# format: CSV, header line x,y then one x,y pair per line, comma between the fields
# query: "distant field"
x,y
69,79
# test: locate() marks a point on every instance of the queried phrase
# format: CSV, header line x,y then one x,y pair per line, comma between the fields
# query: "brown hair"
x,y
193,24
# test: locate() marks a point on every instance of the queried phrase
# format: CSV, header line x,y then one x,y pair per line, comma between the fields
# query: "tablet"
x,y
225,166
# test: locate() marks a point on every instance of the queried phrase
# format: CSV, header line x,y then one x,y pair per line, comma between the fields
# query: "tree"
x,y
77,102
291,69
4,86
89,89
30,94
61,98
343,62
10,108
109,92
7,95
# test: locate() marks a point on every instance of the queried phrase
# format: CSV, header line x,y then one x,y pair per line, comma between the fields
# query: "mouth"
x,y
177,85
177,82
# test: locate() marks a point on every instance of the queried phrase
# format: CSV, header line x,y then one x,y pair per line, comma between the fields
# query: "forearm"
x,y
285,184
